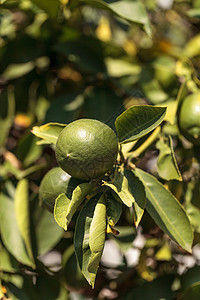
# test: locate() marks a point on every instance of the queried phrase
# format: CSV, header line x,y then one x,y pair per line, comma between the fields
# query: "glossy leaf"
x,y
166,163
137,121
97,238
10,233
60,210
81,238
166,211
132,11
49,131
21,202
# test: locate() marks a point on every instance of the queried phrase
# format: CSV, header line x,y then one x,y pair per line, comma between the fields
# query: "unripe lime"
x,y
86,149
189,118
54,183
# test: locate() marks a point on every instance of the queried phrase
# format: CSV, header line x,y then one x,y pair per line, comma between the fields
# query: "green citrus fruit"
x,y
189,118
54,183
86,149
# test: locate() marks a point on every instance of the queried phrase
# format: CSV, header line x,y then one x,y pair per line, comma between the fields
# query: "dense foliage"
x,y
130,64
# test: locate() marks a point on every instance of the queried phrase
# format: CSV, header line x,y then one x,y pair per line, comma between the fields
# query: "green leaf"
x,y
49,131
122,187
132,11
78,196
60,209
7,110
97,238
10,233
65,207
138,191
166,211
21,203
27,149
137,121
81,238
46,232
51,7
114,209
7,262
190,283
166,163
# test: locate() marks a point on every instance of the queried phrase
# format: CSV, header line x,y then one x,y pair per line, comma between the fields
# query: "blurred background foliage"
x,y
66,59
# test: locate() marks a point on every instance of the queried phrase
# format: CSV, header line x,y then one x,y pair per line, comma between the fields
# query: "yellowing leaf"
x,y
49,131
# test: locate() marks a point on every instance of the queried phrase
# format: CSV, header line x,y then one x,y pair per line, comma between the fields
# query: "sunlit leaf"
x,y
49,131
60,210
10,233
21,203
97,236
121,185
78,196
166,211
166,163
17,70
81,238
137,121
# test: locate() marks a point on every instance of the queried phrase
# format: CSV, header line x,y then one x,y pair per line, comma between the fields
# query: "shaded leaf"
x,y
81,238
190,283
137,121
10,233
166,163
27,149
97,236
21,202
166,211
138,191
49,131
51,7
60,210
46,232
7,110
7,262
114,209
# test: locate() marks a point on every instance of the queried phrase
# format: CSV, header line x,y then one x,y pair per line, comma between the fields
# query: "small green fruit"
x,y
189,118
86,149
54,183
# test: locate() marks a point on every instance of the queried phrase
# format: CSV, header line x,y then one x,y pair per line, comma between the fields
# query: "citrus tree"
x,y
99,149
